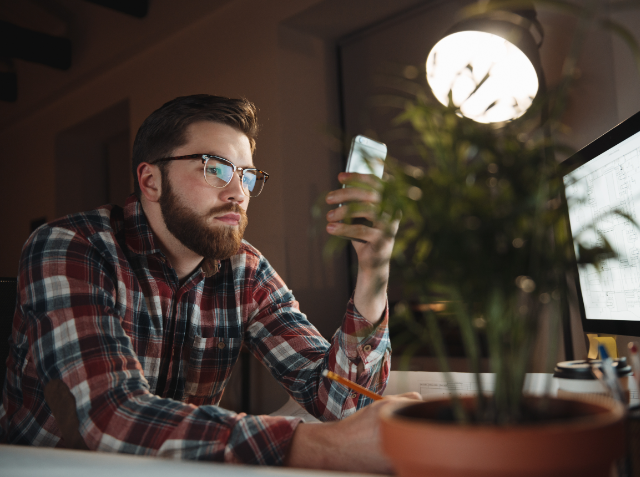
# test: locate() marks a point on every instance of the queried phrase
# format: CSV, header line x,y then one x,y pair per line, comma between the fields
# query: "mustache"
x,y
230,207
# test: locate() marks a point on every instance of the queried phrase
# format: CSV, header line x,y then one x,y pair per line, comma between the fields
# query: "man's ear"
x,y
150,181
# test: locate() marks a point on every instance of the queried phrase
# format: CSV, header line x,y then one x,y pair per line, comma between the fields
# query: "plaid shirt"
x,y
147,359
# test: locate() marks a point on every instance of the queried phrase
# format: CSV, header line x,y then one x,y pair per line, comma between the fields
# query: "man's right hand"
x,y
352,444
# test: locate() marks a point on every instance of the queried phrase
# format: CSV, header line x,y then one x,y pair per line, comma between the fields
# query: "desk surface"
x,y
21,461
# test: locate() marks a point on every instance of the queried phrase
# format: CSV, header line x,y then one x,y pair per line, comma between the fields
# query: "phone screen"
x,y
366,156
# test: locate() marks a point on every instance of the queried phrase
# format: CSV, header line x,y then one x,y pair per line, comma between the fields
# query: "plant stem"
x,y
472,347
438,347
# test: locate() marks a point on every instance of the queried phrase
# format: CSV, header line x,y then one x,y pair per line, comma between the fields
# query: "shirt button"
x,y
367,348
221,345
353,395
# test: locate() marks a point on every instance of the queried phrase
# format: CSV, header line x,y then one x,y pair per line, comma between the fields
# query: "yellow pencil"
x,y
351,385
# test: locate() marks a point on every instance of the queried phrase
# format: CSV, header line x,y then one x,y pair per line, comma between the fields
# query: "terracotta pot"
x,y
584,444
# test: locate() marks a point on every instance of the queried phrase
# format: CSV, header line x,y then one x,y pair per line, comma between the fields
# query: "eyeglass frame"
x,y
205,158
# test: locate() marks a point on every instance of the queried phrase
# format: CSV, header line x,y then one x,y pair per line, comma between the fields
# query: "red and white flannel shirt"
x,y
147,359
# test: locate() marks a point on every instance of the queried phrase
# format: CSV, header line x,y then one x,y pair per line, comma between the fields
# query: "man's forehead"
x,y
212,130
208,137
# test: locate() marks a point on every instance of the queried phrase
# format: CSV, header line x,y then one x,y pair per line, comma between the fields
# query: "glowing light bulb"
x,y
489,78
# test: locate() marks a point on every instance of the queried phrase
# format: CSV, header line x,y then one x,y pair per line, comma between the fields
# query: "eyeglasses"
x,y
219,171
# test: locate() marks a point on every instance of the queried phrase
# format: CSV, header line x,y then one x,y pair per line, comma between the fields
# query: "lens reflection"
x,y
220,173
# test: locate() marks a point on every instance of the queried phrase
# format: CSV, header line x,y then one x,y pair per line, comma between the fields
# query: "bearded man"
x,y
129,320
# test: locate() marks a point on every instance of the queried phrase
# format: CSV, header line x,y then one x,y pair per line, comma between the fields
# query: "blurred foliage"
x,y
484,236
484,239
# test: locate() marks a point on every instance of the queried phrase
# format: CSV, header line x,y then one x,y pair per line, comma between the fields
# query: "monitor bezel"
x,y
610,139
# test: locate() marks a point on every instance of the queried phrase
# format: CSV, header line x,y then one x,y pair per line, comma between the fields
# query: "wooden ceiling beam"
x,y
37,47
135,8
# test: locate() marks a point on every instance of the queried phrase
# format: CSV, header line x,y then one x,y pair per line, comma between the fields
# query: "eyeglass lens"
x,y
219,174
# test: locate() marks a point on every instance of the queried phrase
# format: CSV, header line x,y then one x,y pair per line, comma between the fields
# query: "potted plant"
x,y
484,243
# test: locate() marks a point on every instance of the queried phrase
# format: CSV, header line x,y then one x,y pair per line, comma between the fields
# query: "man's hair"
x,y
165,129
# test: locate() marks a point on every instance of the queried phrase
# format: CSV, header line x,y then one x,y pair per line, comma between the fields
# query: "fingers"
x,y
397,401
362,188
380,227
357,231
367,181
410,395
353,194
360,202
360,210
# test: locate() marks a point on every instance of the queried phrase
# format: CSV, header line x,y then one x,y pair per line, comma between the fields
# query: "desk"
x,y
21,461
434,385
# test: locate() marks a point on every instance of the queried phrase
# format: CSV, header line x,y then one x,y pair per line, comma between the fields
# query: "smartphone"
x,y
366,156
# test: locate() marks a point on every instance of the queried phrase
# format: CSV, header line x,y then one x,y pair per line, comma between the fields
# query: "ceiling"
x,y
100,38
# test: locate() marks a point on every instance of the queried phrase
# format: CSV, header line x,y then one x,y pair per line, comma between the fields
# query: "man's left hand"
x,y
374,243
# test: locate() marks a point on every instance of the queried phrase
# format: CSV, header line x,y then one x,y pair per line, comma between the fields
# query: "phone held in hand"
x,y
366,156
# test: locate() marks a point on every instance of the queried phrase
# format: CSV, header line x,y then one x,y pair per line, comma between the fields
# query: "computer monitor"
x,y
600,179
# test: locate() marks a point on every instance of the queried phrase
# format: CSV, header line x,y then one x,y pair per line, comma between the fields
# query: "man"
x,y
130,319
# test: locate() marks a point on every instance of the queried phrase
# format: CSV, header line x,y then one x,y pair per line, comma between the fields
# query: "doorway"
x,y
93,162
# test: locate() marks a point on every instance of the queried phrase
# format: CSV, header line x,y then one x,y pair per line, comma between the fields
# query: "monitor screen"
x,y
602,190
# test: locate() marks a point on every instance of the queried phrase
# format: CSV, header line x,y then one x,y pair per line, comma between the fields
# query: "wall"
x,y
93,161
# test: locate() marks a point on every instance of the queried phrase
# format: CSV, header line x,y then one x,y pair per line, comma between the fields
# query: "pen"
x,y
600,377
351,385
635,362
610,374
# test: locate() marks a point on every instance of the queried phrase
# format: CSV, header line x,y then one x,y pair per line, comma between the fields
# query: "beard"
x,y
195,232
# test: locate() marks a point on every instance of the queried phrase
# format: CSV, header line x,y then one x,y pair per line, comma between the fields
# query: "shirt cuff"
x,y
261,440
363,341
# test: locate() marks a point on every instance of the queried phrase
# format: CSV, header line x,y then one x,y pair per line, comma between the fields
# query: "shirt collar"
x,y
139,236
141,240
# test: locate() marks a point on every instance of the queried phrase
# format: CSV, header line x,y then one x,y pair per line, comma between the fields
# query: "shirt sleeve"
x,y
296,354
73,334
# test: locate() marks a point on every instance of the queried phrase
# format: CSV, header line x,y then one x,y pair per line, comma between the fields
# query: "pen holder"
x,y
575,378
593,389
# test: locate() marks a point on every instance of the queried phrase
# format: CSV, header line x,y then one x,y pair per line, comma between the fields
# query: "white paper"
x,y
432,385
293,409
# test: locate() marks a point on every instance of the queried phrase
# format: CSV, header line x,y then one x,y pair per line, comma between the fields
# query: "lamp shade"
x,y
489,67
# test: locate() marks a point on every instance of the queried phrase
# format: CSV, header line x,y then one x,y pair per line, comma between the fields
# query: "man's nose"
x,y
234,189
